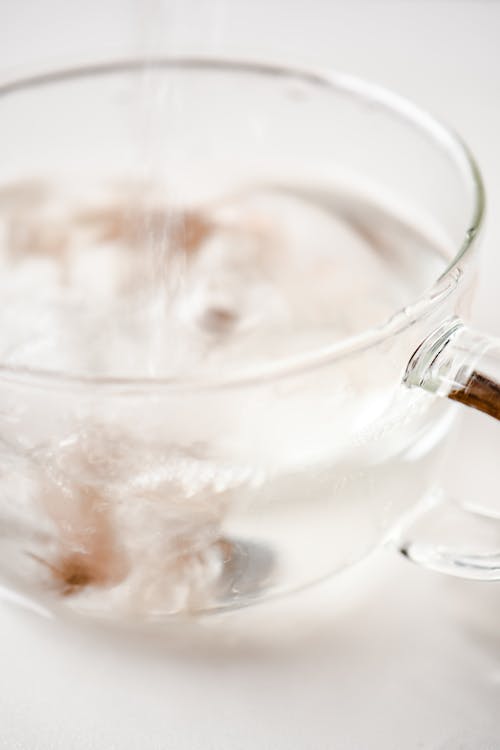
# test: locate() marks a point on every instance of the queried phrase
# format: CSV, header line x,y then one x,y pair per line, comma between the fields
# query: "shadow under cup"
x,y
137,493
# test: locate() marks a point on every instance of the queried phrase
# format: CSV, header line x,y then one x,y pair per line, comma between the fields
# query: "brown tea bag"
x,y
87,550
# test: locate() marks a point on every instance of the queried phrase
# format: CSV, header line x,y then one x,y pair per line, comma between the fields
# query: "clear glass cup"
x,y
149,498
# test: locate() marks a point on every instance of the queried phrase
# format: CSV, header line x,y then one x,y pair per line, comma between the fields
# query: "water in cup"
x,y
182,497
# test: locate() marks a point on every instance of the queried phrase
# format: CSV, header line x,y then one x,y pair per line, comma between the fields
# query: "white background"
x,y
410,659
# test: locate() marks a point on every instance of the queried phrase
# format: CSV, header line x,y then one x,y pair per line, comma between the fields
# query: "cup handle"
x,y
463,365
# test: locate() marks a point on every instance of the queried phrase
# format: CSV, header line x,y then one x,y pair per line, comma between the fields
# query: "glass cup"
x,y
127,494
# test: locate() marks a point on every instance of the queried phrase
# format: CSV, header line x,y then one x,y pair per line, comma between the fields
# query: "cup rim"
x,y
336,81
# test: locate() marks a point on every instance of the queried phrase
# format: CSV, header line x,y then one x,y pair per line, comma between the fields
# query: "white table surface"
x,y
408,659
